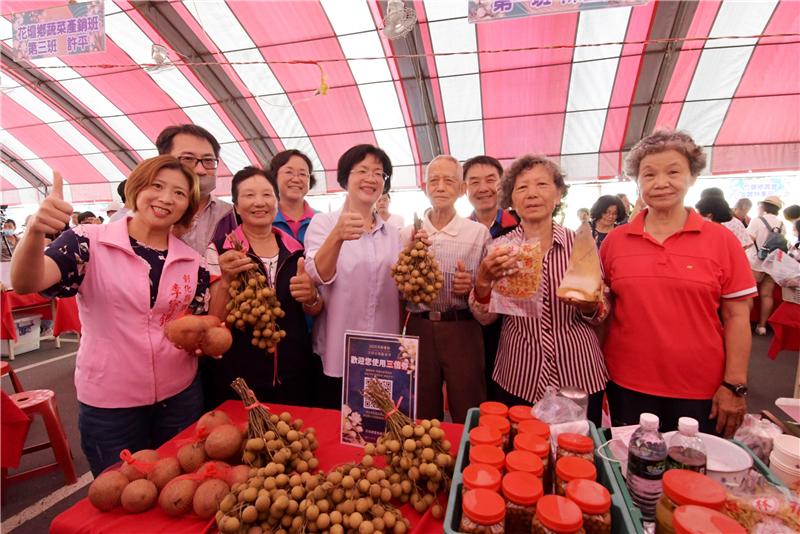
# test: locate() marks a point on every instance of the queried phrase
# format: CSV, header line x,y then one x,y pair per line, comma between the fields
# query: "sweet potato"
x,y
238,474
216,341
191,456
141,464
187,332
165,470
176,497
210,321
211,420
106,490
208,496
139,496
223,442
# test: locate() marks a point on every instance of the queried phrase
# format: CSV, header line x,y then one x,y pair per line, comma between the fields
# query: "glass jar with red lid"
x,y
540,447
690,519
524,461
684,487
493,408
485,435
595,503
482,512
534,426
500,423
522,491
489,455
557,515
481,476
570,444
572,468
517,414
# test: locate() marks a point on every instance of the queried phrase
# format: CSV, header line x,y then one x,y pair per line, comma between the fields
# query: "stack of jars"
x,y
510,458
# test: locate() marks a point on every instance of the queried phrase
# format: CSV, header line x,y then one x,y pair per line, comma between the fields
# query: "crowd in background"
x,y
669,333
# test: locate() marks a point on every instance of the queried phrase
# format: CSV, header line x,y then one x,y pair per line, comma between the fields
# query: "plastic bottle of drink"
x,y
647,454
686,449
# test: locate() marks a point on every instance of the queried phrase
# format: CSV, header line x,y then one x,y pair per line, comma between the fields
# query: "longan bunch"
x,y
254,305
417,272
274,438
349,499
417,455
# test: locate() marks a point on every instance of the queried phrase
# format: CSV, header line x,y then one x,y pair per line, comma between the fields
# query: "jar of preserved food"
x,y
485,435
524,461
493,408
595,503
481,476
517,414
522,491
534,426
557,515
570,444
482,512
539,446
489,455
690,519
683,487
500,423
572,468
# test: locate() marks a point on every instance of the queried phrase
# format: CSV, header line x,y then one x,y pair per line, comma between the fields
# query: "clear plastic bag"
x,y
554,409
762,508
758,434
784,269
520,293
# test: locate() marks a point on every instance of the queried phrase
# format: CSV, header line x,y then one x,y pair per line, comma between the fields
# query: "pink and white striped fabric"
x,y
567,85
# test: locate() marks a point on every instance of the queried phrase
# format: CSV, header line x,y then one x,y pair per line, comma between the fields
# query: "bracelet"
x,y
483,300
314,304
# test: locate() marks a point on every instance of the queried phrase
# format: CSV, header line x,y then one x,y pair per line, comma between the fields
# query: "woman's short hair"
x,y
603,203
525,163
712,192
715,207
792,212
282,158
355,155
661,141
770,208
249,172
144,174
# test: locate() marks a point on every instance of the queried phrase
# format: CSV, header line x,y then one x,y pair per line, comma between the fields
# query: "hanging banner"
x,y
66,30
389,359
489,10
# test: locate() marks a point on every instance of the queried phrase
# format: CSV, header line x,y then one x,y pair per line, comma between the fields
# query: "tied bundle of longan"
x,y
349,499
417,272
273,438
254,305
417,455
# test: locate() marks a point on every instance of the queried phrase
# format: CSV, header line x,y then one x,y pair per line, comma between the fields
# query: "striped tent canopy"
x,y
582,87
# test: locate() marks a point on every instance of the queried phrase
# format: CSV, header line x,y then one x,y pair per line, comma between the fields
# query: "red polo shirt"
x,y
666,337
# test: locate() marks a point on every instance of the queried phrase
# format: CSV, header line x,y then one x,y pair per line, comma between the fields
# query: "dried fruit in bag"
x,y
524,283
583,279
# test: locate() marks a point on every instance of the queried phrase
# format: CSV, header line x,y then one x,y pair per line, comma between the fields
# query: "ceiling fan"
x,y
399,20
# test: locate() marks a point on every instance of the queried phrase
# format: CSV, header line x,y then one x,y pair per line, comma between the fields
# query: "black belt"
x,y
450,315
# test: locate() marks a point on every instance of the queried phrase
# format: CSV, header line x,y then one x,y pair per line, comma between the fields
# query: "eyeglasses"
x,y
292,174
191,162
363,173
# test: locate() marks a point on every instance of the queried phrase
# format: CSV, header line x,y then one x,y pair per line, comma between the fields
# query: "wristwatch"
x,y
740,390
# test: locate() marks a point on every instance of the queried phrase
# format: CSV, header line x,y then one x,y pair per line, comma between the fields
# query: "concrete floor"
x,y
51,368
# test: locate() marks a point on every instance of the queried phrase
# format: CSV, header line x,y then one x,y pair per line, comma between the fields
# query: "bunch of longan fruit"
x,y
417,272
283,442
255,306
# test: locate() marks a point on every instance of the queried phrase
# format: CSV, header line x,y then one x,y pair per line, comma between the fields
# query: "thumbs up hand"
x,y
54,213
302,287
350,225
462,280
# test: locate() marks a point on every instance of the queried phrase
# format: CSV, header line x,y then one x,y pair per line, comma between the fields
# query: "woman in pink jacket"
x,y
135,389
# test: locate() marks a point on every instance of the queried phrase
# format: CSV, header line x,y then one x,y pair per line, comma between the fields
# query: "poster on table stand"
x,y
389,359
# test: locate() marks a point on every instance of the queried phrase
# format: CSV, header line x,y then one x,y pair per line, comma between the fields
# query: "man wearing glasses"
x,y
197,149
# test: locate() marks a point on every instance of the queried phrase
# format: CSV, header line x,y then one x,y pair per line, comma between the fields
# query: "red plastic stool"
x,y
5,369
43,402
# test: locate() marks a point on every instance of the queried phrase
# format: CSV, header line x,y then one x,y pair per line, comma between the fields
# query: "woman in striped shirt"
x,y
559,348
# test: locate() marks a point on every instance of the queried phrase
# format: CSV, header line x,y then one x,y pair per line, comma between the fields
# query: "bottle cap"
x,y
688,426
687,487
493,408
573,468
520,413
480,476
575,442
483,506
532,443
496,421
648,421
534,426
522,488
524,461
485,435
590,496
700,520
487,454
559,514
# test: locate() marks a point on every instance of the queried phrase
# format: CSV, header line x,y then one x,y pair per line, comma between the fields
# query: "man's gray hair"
x,y
451,159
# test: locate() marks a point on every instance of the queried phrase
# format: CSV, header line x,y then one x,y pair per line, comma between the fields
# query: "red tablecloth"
x,y
14,428
84,518
66,319
785,322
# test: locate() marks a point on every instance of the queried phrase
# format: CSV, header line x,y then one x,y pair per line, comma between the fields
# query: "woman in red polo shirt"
x,y
679,335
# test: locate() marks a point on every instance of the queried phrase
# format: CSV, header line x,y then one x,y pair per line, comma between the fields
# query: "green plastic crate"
x,y
625,519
